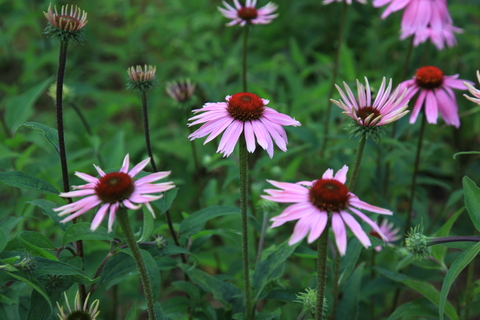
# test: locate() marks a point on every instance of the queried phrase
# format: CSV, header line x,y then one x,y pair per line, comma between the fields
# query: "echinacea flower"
x,y
141,79
385,109
180,91
424,19
112,190
347,1
473,91
321,200
79,311
68,25
242,113
435,92
389,231
248,13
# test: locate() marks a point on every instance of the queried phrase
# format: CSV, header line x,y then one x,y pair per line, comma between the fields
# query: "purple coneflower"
x,y
389,231
71,21
473,91
248,13
385,109
79,311
347,1
242,113
112,190
435,92
319,200
180,91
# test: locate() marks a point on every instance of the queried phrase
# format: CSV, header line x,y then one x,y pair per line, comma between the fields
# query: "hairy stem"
x,y
244,58
322,250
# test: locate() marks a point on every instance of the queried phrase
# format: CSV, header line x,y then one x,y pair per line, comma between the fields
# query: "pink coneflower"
x,y
347,1
473,91
71,21
112,190
318,200
435,92
248,13
424,19
180,91
79,311
389,231
242,113
385,109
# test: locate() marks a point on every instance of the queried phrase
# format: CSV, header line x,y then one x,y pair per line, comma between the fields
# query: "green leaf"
x,y
3,240
34,284
165,202
24,181
457,266
132,313
20,108
414,309
348,308
29,238
159,312
349,261
148,225
224,292
48,267
472,200
196,222
265,269
50,134
81,231
116,269
47,209
36,251
439,252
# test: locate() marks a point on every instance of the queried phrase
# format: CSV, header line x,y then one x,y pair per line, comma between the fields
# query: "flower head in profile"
x,y
112,190
347,1
242,113
424,19
79,311
368,116
68,25
435,94
389,231
315,202
248,13
180,91
473,91
141,78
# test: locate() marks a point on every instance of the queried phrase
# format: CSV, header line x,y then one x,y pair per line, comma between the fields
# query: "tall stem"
x,y
122,217
146,128
243,163
334,80
356,164
468,294
62,62
244,57
321,271
415,173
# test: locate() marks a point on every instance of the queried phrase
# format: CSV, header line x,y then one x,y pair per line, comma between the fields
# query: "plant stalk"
x,y
322,250
122,217
356,164
244,58
146,129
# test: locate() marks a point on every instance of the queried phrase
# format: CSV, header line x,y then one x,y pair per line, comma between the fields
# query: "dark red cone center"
x,y
245,106
429,77
329,195
79,315
247,13
114,187
364,112
375,234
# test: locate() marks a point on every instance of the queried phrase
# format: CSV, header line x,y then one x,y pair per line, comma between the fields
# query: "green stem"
x,y
334,80
146,129
336,280
415,173
262,235
441,240
243,163
321,271
356,164
244,58
122,217
468,294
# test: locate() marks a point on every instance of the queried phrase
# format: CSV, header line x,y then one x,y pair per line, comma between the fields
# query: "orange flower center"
x,y
246,13
245,106
114,187
329,195
429,77
364,112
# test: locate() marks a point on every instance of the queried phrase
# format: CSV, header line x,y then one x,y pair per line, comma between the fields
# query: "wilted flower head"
x,y
368,116
112,190
248,13
424,19
242,113
321,200
473,91
68,25
347,1
180,91
78,311
389,231
142,79
435,92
